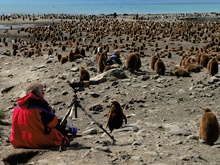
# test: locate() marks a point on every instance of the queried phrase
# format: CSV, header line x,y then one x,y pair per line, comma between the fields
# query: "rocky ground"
x,y
163,111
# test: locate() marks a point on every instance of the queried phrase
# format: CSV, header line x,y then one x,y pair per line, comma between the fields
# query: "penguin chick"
x,y
115,116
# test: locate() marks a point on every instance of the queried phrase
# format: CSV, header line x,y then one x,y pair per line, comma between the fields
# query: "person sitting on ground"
x,y
34,121
115,58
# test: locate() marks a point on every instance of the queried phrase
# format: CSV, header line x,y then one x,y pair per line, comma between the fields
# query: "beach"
x,y
163,111
97,7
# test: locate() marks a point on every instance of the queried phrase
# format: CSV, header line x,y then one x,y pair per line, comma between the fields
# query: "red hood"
x,y
24,99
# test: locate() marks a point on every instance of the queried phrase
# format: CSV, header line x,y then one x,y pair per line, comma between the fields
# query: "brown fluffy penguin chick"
x,y
181,72
63,59
97,57
83,74
153,61
209,127
160,67
102,62
115,116
59,56
193,67
133,62
204,60
212,66
71,55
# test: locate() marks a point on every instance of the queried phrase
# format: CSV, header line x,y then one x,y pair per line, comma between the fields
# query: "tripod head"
x,y
76,86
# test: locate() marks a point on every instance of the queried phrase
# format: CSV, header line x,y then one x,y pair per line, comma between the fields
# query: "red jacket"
x,y
33,124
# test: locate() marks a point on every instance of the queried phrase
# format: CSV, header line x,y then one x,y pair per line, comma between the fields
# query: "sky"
x,y
153,1
180,1
117,1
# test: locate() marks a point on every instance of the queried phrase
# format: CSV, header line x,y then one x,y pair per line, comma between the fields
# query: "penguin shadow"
x,y
121,136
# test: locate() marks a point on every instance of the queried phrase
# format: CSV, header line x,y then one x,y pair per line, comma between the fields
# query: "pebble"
x,y
175,130
135,143
97,108
129,127
103,148
90,131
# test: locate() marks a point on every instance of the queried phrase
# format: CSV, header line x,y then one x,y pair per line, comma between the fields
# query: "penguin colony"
x,y
147,39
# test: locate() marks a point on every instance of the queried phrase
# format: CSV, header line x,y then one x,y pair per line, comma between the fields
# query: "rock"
x,y
129,127
144,77
118,72
175,130
93,94
90,131
7,89
135,143
213,80
101,78
97,107
75,69
103,148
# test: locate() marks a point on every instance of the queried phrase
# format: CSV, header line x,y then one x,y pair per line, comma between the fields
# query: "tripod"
x,y
76,104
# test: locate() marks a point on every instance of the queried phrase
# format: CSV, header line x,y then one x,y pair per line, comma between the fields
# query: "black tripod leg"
x,y
96,122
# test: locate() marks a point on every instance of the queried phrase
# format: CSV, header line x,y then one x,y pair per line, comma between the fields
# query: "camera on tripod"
x,y
83,84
